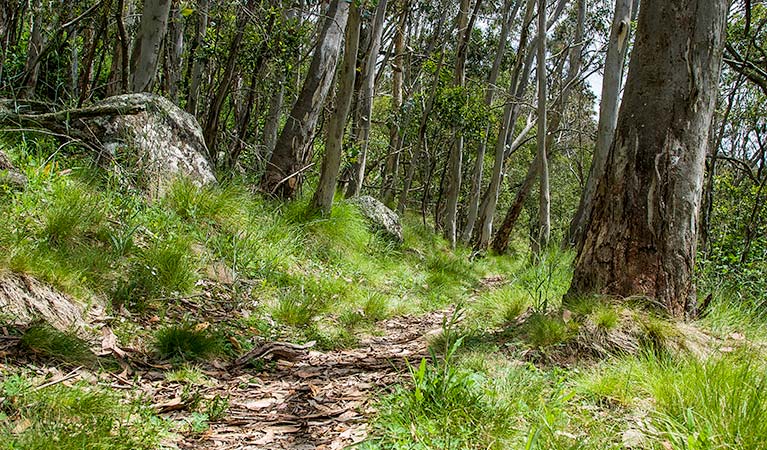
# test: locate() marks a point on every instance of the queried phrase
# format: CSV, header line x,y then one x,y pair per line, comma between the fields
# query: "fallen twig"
x,y
280,350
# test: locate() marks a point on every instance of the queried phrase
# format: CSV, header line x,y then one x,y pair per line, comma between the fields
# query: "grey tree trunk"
x,y
544,205
640,238
198,64
519,80
271,127
331,162
476,178
455,160
608,113
421,143
395,136
367,91
175,52
288,159
34,49
146,51
501,239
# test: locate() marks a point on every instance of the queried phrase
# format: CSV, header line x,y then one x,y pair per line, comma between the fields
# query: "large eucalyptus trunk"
x,y
146,51
288,159
608,112
640,238
331,162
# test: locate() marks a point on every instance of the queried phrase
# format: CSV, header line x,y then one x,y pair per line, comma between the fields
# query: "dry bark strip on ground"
x,y
24,299
321,401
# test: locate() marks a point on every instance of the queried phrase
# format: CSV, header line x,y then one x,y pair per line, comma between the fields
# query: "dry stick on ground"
x,y
281,350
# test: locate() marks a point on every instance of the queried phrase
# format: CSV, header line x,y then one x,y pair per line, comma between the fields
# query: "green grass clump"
x,y
71,211
46,341
165,268
294,310
543,330
500,306
74,418
659,335
605,318
206,204
187,342
718,403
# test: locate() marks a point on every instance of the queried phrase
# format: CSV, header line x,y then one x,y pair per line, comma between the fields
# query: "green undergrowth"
x,y
73,417
523,371
207,272
305,277
48,342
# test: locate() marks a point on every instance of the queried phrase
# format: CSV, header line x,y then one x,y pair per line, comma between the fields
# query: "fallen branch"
x,y
279,350
66,377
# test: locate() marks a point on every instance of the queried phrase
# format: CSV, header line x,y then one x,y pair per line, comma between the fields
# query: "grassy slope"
x,y
491,384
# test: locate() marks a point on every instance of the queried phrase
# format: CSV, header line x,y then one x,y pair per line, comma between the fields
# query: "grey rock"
x,y
9,176
380,217
164,141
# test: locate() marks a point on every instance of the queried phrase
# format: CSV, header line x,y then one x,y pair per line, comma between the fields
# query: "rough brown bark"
x,y
640,238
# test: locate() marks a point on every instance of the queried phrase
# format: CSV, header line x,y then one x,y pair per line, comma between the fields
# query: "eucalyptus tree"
x,y
641,236
289,158
148,44
365,99
617,47
322,200
507,18
501,238
455,158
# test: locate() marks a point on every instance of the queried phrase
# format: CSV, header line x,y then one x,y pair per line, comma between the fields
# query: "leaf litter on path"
x,y
321,400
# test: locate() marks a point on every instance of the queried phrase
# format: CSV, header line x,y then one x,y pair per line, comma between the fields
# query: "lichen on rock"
x,y
380,217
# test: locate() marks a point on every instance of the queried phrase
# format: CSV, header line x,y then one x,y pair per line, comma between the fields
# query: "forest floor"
x,y
320,400
212,318
277,396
